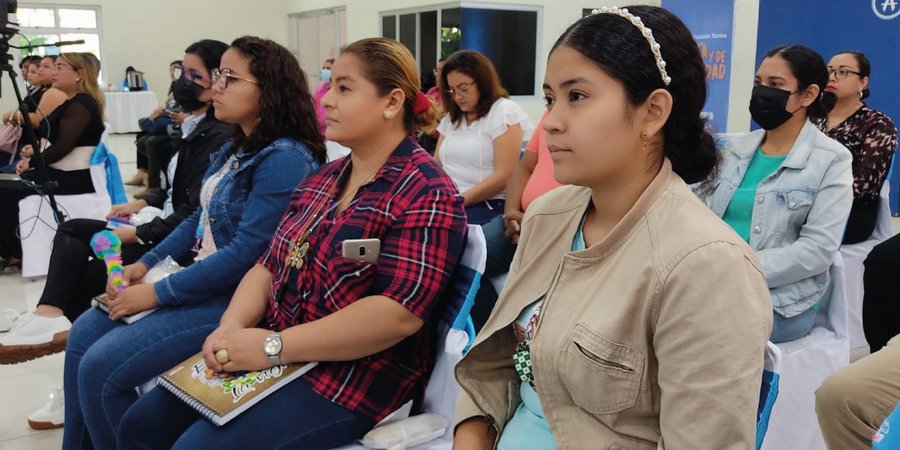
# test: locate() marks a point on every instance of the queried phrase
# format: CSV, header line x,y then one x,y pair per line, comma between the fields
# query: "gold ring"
x,y
222,356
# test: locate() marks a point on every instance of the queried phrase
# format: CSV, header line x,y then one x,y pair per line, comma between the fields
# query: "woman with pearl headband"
x,y
606,335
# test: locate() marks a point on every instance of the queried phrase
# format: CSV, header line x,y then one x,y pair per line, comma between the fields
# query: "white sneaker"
x,y
7,317
33,336
52,415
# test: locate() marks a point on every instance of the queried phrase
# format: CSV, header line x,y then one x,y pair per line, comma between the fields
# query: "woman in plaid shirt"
x,y
369,325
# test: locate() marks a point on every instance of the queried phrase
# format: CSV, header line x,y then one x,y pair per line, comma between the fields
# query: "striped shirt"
x,y
416,212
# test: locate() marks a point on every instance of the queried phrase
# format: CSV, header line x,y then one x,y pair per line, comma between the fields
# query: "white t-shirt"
x,y
467,152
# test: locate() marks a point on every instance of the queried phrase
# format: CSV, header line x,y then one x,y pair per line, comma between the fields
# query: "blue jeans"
x,y
483,212
294,416
784,330
106,360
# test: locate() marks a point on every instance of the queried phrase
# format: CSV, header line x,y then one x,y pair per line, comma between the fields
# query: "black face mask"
x,y
828,101
767,106
187,95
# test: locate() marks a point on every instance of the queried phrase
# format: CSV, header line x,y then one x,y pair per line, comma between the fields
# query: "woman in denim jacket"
x,y
262,90
787,189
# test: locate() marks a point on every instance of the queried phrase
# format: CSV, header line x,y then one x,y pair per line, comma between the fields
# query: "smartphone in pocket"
x,y
361,250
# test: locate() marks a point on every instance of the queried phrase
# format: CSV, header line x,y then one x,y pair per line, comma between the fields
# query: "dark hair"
x,y
617,46
330,60
480,69
389,65
52,57
209,50
32,59
287,109
809,68
865,68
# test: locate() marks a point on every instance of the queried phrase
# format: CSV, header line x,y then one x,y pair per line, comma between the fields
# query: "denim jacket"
x,y
244,210
799,214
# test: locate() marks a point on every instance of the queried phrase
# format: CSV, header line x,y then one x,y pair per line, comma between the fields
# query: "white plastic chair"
x,y
806,363
335,151
768,392
456,325
38,226
854,256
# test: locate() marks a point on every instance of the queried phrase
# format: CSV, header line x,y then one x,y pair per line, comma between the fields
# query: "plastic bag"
x,y
161,270
406,433
145,215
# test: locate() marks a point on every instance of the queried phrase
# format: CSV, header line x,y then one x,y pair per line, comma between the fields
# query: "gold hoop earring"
x,y
644,141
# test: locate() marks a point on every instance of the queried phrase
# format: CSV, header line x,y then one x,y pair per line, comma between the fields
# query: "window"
x,y
317,36
48,24
508,38
507,35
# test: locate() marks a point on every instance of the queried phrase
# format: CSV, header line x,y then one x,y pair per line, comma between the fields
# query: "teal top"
x,y
740,210
528,427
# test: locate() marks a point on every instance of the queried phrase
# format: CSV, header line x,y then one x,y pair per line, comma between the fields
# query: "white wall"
x,y
743,64
150,34
363,20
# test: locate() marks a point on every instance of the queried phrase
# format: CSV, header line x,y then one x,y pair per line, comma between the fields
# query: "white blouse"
x,y
467,152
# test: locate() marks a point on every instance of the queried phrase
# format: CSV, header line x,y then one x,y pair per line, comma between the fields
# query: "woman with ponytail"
x,y
607,334
870,136
787,189
370,323
73,132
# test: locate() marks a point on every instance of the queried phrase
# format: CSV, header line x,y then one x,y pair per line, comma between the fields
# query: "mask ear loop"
x,y
801,104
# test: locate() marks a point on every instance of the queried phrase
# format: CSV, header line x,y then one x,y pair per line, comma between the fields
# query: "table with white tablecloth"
x,y
124,109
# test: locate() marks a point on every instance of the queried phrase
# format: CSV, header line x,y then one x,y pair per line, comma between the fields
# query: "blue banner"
x,y
711,22
870,26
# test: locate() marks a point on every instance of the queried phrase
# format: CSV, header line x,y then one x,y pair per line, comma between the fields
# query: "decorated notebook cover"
x,y
221,397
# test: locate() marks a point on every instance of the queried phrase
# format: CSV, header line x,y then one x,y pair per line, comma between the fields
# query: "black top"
x,y
872,139
76,123
193,159
34,99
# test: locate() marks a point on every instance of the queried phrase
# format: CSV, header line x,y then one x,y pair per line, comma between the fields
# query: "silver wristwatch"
x,y
273,349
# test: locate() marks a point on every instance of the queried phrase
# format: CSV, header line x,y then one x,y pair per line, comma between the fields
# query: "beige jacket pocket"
x,y
602,377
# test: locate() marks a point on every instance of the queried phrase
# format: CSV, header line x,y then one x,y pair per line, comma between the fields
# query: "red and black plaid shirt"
x,y
413,207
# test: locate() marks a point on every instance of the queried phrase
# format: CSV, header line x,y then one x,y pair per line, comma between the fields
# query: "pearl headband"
x,y
647,32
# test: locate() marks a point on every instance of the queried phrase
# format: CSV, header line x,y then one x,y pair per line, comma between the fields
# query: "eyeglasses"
x,y
462,89
63,67
190,76
223,77
841,73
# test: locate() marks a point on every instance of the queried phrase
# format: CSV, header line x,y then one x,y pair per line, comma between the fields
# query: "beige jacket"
x,y
650,339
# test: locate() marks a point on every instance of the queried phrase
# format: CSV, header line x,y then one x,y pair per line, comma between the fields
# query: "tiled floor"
x,y
24,387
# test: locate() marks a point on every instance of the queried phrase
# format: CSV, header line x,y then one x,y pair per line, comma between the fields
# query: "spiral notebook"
x,y
101,302
222,397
